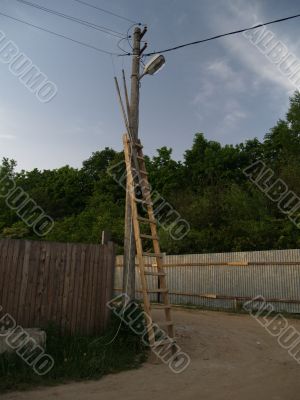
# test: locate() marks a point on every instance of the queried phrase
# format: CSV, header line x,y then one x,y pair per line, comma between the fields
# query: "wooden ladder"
x,y
137,177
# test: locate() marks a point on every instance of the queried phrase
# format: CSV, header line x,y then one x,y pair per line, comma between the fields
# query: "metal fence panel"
x,y
222,280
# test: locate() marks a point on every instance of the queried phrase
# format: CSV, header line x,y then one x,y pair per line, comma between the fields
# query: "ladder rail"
x,y
136,227
156,246
135,164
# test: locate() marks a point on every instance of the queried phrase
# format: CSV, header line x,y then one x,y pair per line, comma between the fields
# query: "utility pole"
x,y
129,241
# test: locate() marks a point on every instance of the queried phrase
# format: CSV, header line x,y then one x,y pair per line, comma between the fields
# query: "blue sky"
x,y
225,88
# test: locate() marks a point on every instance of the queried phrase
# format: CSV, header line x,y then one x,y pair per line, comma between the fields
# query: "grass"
x,y
76,358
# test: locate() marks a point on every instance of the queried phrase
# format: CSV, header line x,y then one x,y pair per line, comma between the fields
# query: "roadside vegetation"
x,y
225,210
76,358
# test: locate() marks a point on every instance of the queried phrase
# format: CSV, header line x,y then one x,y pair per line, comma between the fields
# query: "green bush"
x,y
76,358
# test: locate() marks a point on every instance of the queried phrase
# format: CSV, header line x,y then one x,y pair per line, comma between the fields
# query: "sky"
x,y
225,88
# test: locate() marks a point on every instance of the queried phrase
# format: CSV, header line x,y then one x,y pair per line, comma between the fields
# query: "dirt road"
x,y
233,358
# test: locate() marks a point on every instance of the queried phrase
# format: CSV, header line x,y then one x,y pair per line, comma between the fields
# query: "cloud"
x,y
230,82
7,136
232,79
219,85
221,69
233,117
246,53
219,76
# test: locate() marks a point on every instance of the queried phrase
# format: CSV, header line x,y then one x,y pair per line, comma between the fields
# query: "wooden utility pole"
x,y
129,241
135,84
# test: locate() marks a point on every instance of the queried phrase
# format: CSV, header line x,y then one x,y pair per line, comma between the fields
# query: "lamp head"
x,y
154,65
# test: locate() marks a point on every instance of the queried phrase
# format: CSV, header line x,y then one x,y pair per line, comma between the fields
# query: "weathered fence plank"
x,y
67,284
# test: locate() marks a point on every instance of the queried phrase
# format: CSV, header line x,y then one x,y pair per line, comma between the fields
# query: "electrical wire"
x,y
119,45
74,19
217,36
113,64
128,36
126,289
128,264
105,11
126,53
59,35
128,261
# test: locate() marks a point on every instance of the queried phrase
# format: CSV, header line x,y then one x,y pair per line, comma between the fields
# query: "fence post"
x,y
111,278
106,237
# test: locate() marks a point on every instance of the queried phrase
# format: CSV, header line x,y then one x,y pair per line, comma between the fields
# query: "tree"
x,y
225,210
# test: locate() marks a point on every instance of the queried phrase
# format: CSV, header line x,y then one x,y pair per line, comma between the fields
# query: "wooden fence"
x,y
66,284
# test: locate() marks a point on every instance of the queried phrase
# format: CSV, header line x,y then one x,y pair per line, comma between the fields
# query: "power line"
x,y
59,35
74,19
119,45
105,11
128,36
217,36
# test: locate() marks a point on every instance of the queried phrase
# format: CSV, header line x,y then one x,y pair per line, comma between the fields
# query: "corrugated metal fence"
x,y
67,284
224,280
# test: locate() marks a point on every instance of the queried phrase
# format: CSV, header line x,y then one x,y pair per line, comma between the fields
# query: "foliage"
x,y
225,210
76,358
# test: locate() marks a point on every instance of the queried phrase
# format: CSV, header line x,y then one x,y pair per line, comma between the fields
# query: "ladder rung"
x,y
148,203
145,188
146,220
160,306
158,255
155,273
157,290
141,194
137,145
148,237
141,171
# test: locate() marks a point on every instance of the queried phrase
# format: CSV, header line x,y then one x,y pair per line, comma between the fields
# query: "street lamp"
x,y
154,65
